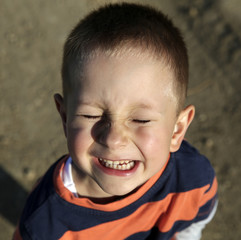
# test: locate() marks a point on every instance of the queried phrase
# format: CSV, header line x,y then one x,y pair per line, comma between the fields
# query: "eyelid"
x,y
89,116
143,121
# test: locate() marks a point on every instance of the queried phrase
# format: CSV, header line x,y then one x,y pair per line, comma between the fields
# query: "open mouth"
x,y
117,165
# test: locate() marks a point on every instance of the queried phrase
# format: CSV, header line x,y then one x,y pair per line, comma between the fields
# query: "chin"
x,y
118,190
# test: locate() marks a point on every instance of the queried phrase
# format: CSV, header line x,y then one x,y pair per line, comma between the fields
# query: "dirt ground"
x,y
31,137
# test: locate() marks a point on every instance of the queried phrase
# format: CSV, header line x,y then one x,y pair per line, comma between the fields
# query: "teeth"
x,y
120,165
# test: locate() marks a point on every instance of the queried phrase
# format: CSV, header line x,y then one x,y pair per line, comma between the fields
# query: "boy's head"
x,y
126,28
125,72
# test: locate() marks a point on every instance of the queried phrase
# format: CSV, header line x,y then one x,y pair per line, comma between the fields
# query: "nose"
x,y
113,136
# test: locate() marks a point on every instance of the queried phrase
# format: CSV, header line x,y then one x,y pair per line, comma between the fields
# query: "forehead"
x,y
80,67
127,76
128,58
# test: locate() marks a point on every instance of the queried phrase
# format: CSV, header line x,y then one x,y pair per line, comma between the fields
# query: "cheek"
x,y
153,142
78,140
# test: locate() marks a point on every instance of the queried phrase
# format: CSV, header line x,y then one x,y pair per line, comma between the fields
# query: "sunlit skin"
x,y
124,109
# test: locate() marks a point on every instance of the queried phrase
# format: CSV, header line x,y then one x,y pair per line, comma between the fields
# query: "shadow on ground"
x,y
14,193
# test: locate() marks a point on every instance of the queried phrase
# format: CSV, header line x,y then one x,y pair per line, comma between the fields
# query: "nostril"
x,y
116,137
100,131
109,134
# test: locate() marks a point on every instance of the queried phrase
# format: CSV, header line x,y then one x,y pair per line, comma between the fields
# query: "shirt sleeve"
x,y
194,231
207,209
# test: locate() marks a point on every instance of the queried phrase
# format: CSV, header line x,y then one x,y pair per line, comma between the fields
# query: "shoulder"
x,y
43,190
193,170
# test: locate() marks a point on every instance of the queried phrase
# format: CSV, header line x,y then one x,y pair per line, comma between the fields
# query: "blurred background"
x,y
31,136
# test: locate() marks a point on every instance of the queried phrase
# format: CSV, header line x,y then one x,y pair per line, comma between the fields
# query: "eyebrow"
x,y
92,104
143,105
133,106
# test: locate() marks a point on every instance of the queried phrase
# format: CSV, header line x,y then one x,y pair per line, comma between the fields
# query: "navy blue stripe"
x,y
48,216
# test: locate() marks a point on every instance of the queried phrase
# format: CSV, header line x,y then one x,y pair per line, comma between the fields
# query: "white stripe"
x,y
67,177
194,231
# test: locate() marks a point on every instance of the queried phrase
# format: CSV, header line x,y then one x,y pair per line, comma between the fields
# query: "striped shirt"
x,y
180,196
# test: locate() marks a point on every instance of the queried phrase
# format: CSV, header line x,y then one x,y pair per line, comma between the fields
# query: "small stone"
x,y
29,174
202,117
193,12
209,143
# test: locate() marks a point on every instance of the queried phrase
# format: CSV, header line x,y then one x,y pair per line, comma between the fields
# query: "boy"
x,y
129,174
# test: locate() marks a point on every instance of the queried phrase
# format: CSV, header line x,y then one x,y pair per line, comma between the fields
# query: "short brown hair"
x,y
126,25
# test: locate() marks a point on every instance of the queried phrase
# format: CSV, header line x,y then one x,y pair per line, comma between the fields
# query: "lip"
x,y
116,172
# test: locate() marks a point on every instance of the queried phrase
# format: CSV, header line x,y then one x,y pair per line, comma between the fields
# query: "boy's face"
x,y
121,124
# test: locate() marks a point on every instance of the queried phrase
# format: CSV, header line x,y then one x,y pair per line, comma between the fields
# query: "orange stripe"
x,y
85,202
163,214
185,206
16,235
211,193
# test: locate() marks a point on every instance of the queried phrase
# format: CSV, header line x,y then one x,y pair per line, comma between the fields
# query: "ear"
x,y
184,120
59,102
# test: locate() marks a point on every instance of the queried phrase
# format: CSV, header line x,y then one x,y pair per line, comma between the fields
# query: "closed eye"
x,y
91,116
141,121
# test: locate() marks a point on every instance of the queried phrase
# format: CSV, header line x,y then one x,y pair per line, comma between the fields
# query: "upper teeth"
x,y
120,165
